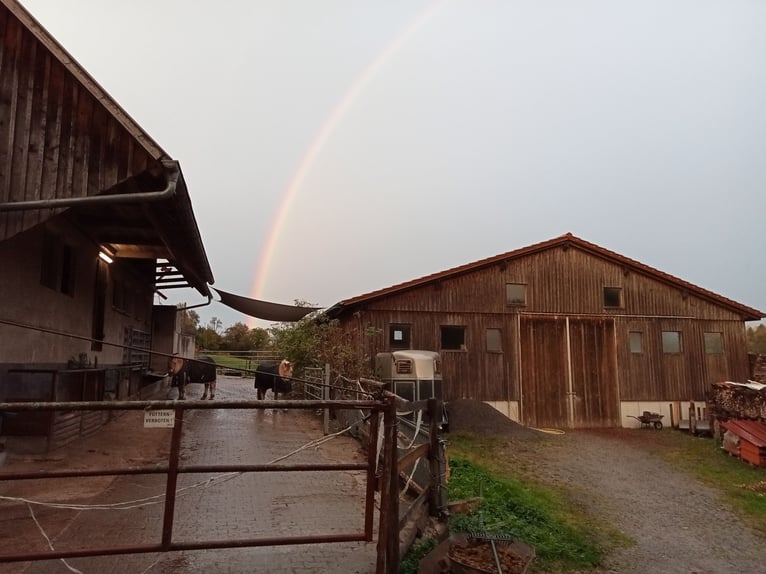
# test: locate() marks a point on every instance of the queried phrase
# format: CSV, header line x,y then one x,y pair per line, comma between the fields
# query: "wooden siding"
x,y
655,375
563,342
60,136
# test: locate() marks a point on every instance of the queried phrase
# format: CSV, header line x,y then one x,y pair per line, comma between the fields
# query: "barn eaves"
x,y
563,242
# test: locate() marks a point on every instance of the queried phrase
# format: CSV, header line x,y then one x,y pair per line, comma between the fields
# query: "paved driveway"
x,y
244,506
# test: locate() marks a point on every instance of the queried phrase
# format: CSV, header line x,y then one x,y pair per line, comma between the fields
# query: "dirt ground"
x,y
679,525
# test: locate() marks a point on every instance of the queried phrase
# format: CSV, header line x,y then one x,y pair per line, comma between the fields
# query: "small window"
x,y
612,297
494,341
515,294
671,342
713,343
636,341
453,338
399,336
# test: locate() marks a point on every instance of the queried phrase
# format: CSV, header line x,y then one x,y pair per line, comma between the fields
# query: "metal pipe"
x,y
209,300
188,404
175,546
172,481
191,469
172,171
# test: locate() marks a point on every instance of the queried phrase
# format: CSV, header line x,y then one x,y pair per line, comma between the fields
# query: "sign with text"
x,y
160,418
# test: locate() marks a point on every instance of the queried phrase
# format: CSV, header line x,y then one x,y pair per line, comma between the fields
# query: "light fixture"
x,y
105,256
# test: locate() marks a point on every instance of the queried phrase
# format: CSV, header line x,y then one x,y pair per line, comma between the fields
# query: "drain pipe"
x,y
171,168
209,300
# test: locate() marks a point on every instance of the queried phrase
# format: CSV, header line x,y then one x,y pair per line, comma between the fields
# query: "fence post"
x,y
434,457
172,479
326,396
392,558
388,531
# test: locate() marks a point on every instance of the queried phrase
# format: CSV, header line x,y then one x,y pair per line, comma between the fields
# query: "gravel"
x,y
679,525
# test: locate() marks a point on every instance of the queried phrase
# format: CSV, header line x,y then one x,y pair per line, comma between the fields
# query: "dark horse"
x,y
274,376
185,371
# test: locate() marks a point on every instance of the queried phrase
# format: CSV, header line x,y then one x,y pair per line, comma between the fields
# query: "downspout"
x,y
171,168
209,300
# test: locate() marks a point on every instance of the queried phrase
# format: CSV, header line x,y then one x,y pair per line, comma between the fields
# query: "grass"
x,y
230,362
565,539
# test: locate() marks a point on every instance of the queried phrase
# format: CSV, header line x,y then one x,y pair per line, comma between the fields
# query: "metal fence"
x,y
385,479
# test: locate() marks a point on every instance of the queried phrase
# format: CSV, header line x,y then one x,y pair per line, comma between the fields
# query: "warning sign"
x,y
160,418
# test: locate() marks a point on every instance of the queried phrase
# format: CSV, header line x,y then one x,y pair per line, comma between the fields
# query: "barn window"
x,y
612,297
453,338
713,343
57,270
636,341
494,341
671,341
515,294
399,336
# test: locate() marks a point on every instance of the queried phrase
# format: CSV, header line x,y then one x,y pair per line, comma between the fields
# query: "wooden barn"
x,y
95,224
563,333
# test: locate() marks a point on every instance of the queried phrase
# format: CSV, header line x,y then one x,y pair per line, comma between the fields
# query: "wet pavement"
x,y
210,506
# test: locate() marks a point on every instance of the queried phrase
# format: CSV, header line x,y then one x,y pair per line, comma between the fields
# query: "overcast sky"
x,y
336,147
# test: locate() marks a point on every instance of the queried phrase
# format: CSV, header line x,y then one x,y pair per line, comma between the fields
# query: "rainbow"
x,y
328,127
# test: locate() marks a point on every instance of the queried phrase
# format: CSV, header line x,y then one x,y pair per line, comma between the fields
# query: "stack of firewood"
x,y
729,401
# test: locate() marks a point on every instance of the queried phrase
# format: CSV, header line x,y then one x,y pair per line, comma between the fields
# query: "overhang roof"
x,y
567,240
164,228
93,164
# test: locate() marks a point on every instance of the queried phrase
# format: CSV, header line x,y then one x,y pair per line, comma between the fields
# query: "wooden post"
x,y
388,476
692,419
326,396
392,557
434,457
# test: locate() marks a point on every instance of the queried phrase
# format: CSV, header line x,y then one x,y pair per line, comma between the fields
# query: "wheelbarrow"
x,y
649,420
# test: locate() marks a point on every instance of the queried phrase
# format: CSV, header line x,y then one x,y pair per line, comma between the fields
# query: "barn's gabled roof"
x,y
748,313
67,148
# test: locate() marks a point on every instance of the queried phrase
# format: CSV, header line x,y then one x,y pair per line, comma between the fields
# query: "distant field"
x,y
237,363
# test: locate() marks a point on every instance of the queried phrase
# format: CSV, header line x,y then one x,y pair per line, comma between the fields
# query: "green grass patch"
x,y
532,513
410,563
229,362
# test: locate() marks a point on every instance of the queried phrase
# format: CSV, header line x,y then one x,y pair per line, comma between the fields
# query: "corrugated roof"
x,y
748,313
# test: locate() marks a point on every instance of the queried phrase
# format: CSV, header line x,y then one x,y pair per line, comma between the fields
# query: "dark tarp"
x,y
263,309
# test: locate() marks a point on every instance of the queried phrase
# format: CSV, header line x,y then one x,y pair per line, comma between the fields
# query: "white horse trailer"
x,y
413,375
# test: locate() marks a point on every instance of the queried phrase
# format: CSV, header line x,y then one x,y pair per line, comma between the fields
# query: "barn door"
x,y
544,382
593,359
568,372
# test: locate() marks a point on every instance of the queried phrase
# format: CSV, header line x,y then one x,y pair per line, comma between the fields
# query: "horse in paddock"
x,y
274,376
200,370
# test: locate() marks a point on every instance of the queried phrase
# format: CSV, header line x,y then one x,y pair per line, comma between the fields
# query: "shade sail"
x,y
264,309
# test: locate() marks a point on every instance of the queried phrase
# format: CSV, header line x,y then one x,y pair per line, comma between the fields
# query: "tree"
x,y
215,324
208,339
756,339
316,340
189,320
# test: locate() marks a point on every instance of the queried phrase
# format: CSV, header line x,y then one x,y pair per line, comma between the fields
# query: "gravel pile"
x,y
467,415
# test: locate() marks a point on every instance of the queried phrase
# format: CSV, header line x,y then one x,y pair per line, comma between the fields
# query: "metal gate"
x,y
383,477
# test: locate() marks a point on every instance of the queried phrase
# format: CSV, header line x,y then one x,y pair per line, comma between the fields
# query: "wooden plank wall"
x,y
563,284
57,138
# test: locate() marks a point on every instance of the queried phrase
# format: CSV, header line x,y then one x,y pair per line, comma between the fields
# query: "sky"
x,y
336,147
